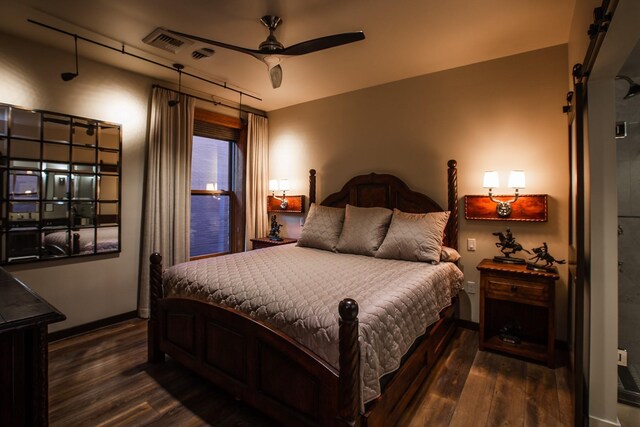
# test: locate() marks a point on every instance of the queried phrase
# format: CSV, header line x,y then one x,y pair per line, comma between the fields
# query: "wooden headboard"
x,y
388,191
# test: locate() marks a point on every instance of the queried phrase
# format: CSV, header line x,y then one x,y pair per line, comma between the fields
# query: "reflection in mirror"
x,y
55,244
3,151
84,155
24,149
108,189
55,214
4,118
24,214
56,166
83,214
56,128
22,245
108,239
25,124
84,132
109,136
56,186
108,158
55,152
59,185
24,164
83,241
23,185
84,187
108,214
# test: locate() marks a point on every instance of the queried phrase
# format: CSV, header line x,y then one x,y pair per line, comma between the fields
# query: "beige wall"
x,y
95,287
502,114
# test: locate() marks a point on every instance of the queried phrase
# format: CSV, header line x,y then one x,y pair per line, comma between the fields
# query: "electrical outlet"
x,y
471,245
622,357
472,288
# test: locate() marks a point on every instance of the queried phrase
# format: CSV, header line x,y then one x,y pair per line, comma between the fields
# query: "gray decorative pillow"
x,y
364,230
322,227
414,237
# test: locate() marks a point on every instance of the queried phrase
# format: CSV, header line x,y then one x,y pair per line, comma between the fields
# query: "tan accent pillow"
x,y
449,254
364,230
414,237
322,227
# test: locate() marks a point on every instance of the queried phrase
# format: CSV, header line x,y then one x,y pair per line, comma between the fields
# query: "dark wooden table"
x,y
510,294
24,317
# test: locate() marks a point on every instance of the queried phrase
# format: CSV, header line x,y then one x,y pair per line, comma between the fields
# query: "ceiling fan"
x,y
271,51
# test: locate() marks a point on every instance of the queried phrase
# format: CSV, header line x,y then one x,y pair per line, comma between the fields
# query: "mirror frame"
x,y
59,219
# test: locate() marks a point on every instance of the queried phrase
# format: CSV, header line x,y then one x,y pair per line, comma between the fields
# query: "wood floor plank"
x,y
542,407
509,395
102,378
563,386
436,400
475,400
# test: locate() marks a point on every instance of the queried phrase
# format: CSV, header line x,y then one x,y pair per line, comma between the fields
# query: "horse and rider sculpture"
x,y
508,246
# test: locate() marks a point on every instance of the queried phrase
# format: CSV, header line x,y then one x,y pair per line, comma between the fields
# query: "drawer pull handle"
x,y
514,288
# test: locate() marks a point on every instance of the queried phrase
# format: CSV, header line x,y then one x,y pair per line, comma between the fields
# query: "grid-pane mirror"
x,y
60,185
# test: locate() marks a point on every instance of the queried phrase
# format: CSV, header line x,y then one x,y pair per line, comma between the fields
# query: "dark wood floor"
x,y
102,378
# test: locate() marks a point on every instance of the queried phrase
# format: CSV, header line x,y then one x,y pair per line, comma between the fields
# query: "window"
x,y
210,207
217,171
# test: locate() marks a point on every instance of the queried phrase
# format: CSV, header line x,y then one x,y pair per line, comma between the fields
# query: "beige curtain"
x,y
257,178
167,198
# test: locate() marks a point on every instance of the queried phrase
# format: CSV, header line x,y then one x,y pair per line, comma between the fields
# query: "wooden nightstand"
x,y
512,294
264,242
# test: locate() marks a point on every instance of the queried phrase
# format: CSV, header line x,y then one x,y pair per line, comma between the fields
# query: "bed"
x,y
83,241
266,361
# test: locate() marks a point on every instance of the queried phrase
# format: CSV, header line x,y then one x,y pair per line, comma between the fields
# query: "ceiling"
x,y
404,38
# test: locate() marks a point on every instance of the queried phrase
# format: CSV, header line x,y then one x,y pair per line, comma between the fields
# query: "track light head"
x,y
68,76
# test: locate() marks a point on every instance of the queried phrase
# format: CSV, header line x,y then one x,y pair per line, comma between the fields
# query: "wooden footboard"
x,y
275,374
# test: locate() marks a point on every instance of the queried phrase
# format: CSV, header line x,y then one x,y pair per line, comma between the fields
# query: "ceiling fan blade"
x,y
322,43
276,76
255,53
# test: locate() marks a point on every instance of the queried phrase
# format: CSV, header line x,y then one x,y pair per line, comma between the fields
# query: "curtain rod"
x,y
214,102
97,43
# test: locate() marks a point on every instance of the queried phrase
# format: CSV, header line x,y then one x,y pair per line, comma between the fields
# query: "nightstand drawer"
x,y
516,290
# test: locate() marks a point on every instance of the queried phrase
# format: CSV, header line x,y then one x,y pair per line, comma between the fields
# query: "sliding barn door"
x,y
579,253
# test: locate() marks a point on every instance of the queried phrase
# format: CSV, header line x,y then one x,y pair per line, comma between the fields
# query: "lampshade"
x,y
273,185
516,179
284,185
491,180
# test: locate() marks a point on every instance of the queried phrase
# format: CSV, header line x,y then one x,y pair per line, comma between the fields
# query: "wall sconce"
x,y
280,185
516,181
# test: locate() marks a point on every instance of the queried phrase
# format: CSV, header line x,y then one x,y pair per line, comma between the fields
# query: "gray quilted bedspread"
x,y
297,290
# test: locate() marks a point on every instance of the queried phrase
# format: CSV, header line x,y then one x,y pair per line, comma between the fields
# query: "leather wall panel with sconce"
x,y
529,207
295,204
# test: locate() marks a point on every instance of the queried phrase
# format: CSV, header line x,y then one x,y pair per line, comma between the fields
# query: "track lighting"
x,y
175,102
70,76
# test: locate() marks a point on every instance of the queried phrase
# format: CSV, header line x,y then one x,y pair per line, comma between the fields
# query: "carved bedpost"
x,y
154,355
312,186
75,244
349,379
452,225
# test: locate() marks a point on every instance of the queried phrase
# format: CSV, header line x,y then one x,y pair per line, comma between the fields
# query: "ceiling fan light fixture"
x,y
275,73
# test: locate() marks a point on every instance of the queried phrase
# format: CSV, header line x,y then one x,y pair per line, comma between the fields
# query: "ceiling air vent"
x,y
204,52
163,39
